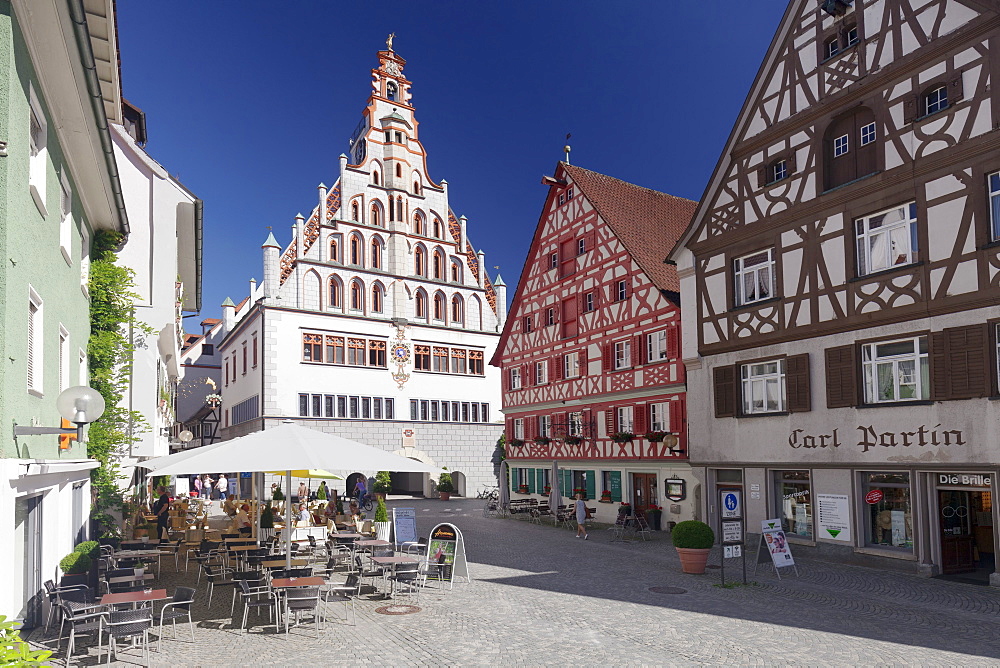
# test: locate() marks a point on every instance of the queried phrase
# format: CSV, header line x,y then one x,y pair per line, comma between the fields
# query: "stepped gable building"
x,y
591,349
841,278
376,321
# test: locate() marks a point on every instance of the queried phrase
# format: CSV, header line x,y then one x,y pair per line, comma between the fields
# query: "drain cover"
x,y
397,610
667,590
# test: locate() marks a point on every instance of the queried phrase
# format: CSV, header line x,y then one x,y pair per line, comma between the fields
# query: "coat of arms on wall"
x,y
399,349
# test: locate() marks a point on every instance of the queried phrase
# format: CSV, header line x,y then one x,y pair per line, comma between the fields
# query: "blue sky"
x,y
249,103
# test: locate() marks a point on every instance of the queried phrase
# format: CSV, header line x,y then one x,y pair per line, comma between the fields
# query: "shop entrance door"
x,y
644,493
966,520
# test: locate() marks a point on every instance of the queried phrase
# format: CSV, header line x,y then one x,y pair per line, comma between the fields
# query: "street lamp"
x,y
80,405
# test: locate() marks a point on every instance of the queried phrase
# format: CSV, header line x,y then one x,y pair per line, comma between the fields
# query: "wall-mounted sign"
x,y
873,497
833,517
676,489
965,479
869,437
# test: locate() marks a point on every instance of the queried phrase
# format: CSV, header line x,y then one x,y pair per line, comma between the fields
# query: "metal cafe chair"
x,y
251,599
179,606
344,593
81,621
303,599
130,625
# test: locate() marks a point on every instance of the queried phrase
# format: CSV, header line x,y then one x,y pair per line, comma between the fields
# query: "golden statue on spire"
x,y
388,41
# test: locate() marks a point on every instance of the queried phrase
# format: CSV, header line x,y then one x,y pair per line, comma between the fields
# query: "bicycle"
x,y
489,493
365,502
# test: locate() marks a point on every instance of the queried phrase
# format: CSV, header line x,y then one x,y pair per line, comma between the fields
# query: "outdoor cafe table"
x,y
373,543
394,561
134,597
280,563
315,581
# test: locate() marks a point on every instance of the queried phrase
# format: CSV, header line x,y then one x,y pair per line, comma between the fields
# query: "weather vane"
x,y
566,148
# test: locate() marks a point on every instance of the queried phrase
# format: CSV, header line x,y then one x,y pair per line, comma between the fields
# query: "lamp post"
x,y
80,405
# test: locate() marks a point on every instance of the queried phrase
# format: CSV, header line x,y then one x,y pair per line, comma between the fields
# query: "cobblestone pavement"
x,y
541,597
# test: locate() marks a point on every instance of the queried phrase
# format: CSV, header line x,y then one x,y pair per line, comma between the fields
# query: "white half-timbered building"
x,y
377,320
591,350
840,280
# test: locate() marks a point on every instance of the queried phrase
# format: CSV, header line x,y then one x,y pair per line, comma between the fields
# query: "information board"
x,y
446,550
833,517
615,485
181,483
404,525
732,531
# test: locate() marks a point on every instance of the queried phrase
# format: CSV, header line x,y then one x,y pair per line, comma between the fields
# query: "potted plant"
x,y
522,489
382,525
693,540
542,440
580,490
515,442
266,522
547,490
573,440
625,508
623,437
445,487
383,484
340,509
653,515
75,567
655,436
605,496
278,495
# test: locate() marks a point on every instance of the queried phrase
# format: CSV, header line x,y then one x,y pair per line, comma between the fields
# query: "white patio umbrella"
x,y
287,447
555,494
503,486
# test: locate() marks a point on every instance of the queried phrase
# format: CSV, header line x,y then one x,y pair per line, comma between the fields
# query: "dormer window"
x,y
569,194
391,91
936,100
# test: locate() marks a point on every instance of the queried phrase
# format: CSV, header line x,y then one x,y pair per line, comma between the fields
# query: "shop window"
x,y
896,370
887,239
793,502
753,277
763,387
889,520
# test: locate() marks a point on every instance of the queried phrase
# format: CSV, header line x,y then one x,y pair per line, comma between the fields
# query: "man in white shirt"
x,y
222,486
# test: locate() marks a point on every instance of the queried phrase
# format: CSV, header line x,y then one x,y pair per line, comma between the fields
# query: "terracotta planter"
x,y
444,495
693,560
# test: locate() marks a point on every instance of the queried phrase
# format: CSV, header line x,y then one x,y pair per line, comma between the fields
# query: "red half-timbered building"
x,y
590,352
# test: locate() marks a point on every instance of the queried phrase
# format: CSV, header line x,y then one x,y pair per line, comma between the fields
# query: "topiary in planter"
x,y
267,518
89,547
445,484
381,514
693,535
75,563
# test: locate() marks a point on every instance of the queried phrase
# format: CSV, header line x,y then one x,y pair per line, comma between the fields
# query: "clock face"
x,y
401,352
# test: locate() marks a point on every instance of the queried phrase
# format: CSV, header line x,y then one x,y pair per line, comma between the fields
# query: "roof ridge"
x,y
628,183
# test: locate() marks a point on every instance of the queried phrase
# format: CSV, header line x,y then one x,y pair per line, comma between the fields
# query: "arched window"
x,y
377,298
399,208
456,272
419,261
438,306
336,296
375,177
457,310
849,148
357,256
334,250
418,223
437,228
376,253
399,171
438,265
420,305
354,210
416,187
391,91
357,296
376,219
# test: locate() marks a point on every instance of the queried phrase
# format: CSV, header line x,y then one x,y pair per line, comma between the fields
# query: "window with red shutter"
x,y
639,414
677,416
673,342
639,354
556,368
607,359
609,421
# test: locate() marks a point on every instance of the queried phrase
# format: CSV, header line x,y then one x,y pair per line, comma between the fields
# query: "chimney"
x,y
300,235
501,290
271,268
482,269
228,316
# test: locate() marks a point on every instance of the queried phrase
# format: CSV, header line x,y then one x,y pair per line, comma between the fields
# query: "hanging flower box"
x,y
623,437
515,443
605,496
542,440
573,440
523,489
655,436
547,490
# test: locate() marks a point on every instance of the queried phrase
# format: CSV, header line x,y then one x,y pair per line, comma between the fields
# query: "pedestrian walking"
x,y
223,486
581,517
160,509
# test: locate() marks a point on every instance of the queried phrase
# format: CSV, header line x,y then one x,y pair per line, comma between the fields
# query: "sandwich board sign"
x,y
446,550
404,525
774,544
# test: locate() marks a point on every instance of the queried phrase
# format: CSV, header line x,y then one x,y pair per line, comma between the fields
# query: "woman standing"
x,y
197,485
581,517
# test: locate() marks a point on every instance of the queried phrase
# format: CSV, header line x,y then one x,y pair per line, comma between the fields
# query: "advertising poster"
x,y
404,525
833,517
441,550
777,544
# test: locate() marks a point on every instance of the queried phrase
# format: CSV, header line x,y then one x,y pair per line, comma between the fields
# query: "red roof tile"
x,y
647,222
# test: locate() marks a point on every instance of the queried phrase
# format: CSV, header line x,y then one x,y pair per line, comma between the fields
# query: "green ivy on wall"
x,y
114,332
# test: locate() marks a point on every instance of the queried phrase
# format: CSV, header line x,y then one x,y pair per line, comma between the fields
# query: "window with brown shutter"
x,y
961,363
725,391
955,89
797,383
841,377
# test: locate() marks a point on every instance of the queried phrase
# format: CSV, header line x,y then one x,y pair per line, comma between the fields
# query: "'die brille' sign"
x,y
446,552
